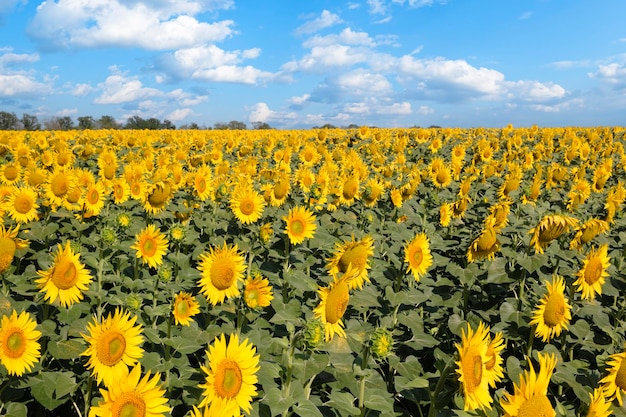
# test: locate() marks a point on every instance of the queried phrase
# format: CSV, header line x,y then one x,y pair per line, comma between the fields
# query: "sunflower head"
x,y
257,291
300,224
553,312
593,273
19,346
417,256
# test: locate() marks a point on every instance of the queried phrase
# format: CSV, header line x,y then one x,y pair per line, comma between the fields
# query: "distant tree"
x,y
135,122
236,125
86,122
30,122
168,125
65,123
8,121
261,125
329,126
220,126
107,122
191,126
352,126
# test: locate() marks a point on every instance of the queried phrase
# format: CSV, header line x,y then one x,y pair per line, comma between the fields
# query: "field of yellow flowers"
x,y
364,272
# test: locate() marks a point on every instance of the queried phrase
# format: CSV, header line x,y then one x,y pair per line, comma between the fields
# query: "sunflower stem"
x,y
87,394
531,340
442,379
362,381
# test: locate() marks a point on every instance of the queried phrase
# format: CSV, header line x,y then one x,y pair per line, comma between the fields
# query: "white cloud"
x,y
22,84
67,112
345,37
614,73
326,19
363,82
425,110
8,5
11,59
178,114
82,90
299,100
118,89
534,90
321,58
261,112
232,74
377,6
157,25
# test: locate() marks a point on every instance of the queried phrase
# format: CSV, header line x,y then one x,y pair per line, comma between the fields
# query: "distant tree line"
x,y
10,121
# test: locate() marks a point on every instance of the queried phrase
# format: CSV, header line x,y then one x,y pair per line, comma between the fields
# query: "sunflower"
x,y
114,345
372,192
279,191
549,228
494,372
530,396
300,224
184,308
485,245
333,304
499,213
471,367
598,405
592,274
247,205
10,174
151,246
257,291
121,190
355,254
445,214
58,184
156,197
222,269
614,384
19,346
66,279
132,396
231,375
94,198
22,204
417,255
348,190
587,232
9,243
553,313
441,176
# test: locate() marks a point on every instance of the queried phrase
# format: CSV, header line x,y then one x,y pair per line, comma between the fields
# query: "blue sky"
x,y
298,64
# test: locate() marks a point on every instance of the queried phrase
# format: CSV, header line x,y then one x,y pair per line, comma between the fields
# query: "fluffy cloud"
x,y
118,89
261,112
160,25
18,83
326,19
614,74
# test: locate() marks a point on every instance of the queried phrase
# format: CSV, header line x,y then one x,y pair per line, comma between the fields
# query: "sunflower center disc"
x,y
555,310
23,205
228,379
620,377
222,275
65,275
593,271
15,344
130,406
111,348
536,406
247,207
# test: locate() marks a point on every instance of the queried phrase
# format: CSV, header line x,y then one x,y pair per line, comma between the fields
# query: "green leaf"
x,y
307,408
496,272
67,349
182,344
16,410
50,389
277,401
343,402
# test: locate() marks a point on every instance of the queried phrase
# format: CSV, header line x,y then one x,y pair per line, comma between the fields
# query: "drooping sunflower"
x,y
151,246
157,196
553,312
19,346
257,291
348,189
247,205
184,308
9,243
22,205
598,404
499,212
231,375
353,254
614,383
417,256
530,397
372,192
471,367
222,269
484,246
66,279
333,304
592,275
300,224
132,395
114,345
549,228
587,232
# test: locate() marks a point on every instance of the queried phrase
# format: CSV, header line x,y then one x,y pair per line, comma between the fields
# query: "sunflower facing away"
x,y
589,230
247,205
151,246
132,396
222,269
598,405
19,346
550,227
355,254
553,313
9,243
417,255
333,304
66,279
472,367
300,224
114,345
592,275
530,397
614,384
184,308
257,291
231,377
484,246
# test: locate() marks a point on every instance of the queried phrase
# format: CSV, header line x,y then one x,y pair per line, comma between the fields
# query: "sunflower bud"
x,y
314,332
108,234
133,302
123,220
178,233
382,343
165,273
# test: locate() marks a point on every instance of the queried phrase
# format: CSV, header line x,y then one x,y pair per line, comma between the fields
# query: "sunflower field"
x,y
360,272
